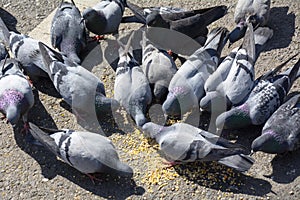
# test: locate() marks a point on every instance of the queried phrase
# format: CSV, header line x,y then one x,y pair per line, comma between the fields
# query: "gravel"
x,y
31,172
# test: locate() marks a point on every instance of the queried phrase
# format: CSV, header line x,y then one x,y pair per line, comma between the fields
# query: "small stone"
x,y
291,192
45,180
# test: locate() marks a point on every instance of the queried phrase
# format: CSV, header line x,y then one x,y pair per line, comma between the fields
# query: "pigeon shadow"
x,y
9,20
107,187
91,56
45,85
219,177
283,25
286,167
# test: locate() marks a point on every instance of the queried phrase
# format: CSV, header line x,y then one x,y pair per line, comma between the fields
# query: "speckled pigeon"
x,y
263,100
187,86
68,31
281,132
131,87
81,89
105,17
16,97
88,152
192,23
159,68
234,80
256,12
185,143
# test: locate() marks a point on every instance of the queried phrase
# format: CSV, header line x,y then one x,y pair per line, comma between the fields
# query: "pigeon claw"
x,y
170,164
97,38
25,129
93,178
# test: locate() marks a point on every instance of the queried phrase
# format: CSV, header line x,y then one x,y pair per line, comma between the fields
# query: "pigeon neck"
x,y
10,97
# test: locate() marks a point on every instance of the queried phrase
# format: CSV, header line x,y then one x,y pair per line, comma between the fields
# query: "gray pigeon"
x,y
256,12
191,23
234,80
105,17
131,87
3,52
68,31
281,132
88,152
263,100
159,68
185,143
81,89
187,86
26,51
16,97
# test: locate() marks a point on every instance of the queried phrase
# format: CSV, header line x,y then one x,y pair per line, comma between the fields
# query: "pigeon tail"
x,y
215,39
240,162
249,44
213,14
137,11
44,138
295,72
4,32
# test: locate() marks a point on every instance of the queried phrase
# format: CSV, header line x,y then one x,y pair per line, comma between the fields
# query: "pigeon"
x,y
234,79
131,87
159,68
281,132
187,86
26,51
68,31
182,142
80,89
16,96
264,99
192,23
105,17
3,52
256,12
89,153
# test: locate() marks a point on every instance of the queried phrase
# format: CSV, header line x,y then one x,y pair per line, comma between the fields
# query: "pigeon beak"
x,y
252,152
82,20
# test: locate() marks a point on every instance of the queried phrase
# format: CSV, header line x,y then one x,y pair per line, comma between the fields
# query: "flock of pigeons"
x,y
204,81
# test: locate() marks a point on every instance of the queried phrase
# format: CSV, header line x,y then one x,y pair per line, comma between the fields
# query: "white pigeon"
x,y
182,142
88,152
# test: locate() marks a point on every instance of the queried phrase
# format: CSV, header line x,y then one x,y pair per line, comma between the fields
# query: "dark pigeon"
x,y
68,31
281,132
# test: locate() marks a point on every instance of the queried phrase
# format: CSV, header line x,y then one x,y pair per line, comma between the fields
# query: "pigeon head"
x,y
269,142
9,102
95,21
151,129
156,20
160,92
179,101
235,118
216,100
13,115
